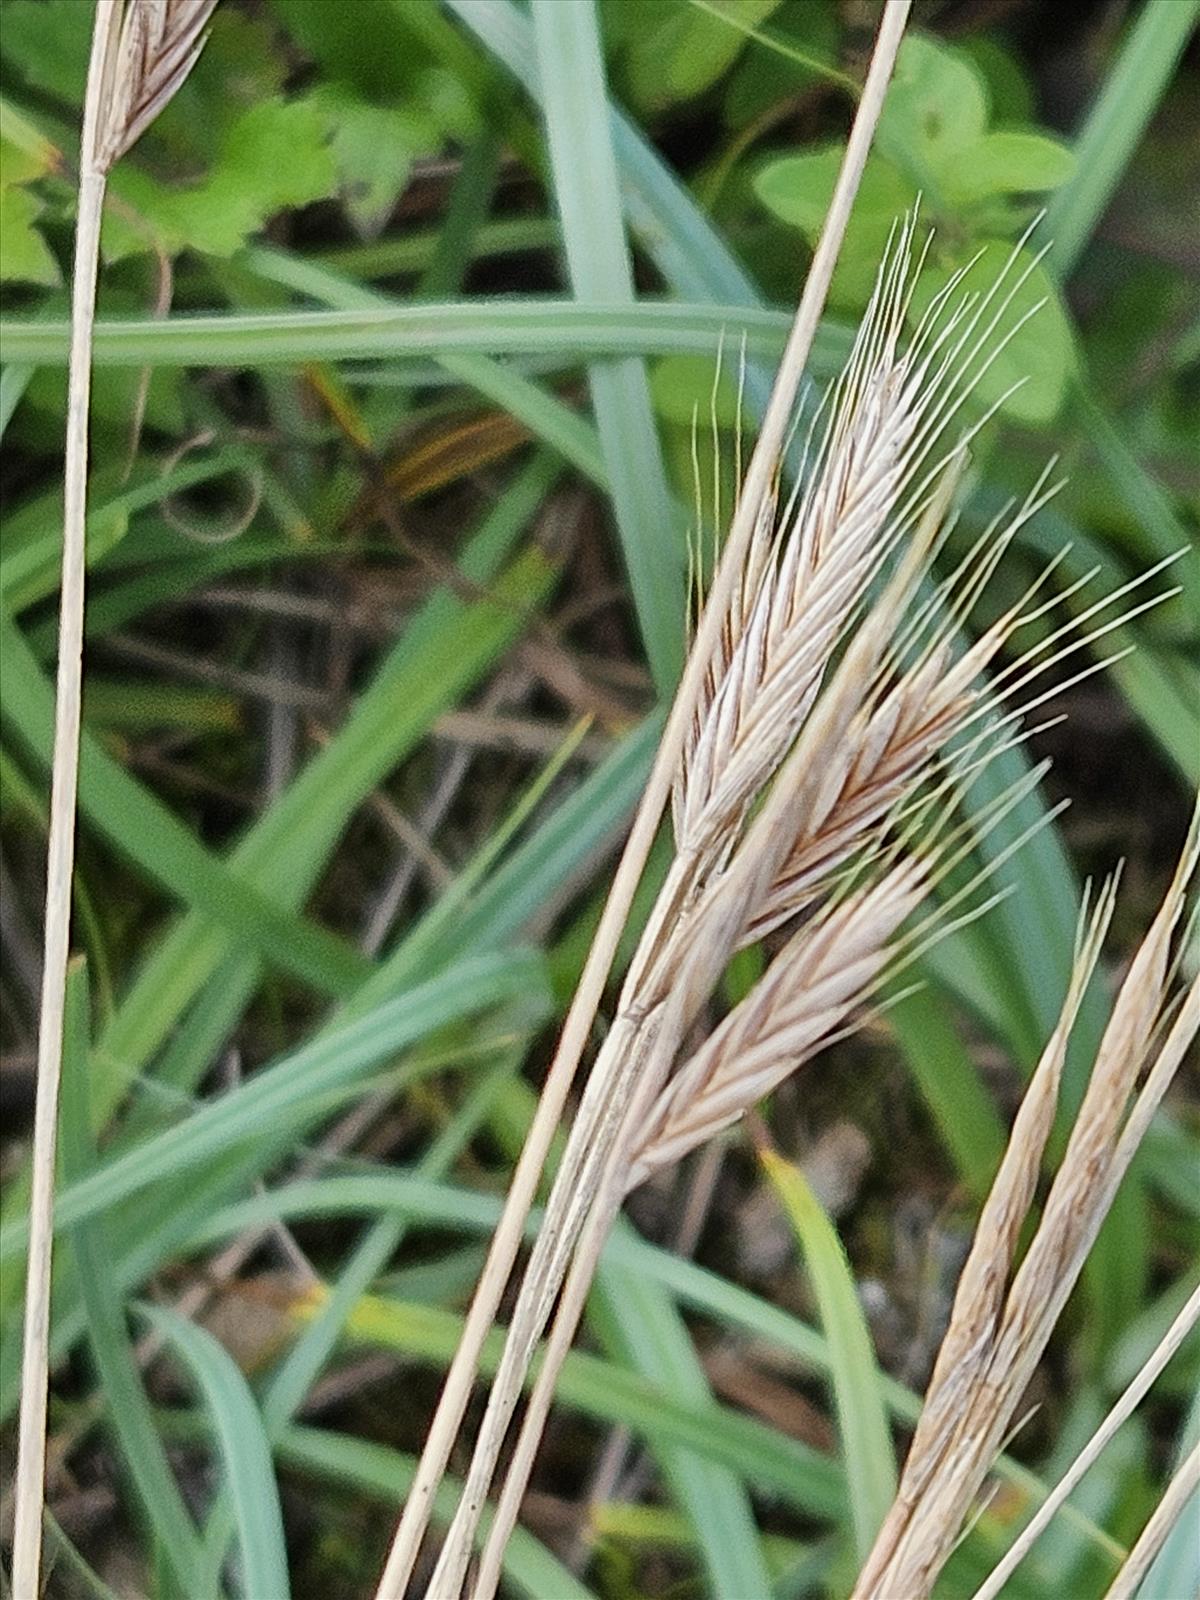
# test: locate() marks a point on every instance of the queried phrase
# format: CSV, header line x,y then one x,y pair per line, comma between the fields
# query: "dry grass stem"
x,y
755,493
831,707
141,53
1153,1536
1183,1324
1003,1313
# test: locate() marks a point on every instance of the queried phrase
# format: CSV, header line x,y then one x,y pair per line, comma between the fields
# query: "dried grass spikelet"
x,y
156,43
830,705
1004,1314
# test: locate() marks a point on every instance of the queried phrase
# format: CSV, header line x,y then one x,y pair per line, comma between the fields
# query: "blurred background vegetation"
x,y
393,466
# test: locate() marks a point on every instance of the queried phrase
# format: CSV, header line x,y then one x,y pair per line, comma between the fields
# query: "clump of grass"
x,y
141,53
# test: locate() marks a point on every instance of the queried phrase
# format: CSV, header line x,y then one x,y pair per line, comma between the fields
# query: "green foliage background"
x,y
396,236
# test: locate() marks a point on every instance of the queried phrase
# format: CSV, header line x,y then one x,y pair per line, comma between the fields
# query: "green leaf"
x,y
678,50
936,108
297,1088
24,255
640,1323
385,1475
25,152
798,1474
47,42
1008,161
805,36
373,151
129,1410
1039,355
144,830
798,189
857,1387
588,197
1131,91
275,154
245,1453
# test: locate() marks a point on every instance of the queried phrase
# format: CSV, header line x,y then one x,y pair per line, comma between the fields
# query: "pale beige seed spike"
x,y
998,1332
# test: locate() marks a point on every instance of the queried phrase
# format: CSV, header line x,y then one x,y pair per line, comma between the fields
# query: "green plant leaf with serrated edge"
x,y
373,150
274,155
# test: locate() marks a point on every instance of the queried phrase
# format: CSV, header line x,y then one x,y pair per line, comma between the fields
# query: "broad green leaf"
x,y
684,389
25,152
47,42
373,151
1008,161
678,50
1040,350
866,1439
798,189
936,108
807,35
24,255
274,155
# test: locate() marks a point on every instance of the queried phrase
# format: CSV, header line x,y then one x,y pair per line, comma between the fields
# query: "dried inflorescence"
x,y
1004,1313
159,43
836,722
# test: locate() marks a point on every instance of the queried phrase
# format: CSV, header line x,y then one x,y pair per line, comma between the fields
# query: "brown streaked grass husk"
x,y
142,50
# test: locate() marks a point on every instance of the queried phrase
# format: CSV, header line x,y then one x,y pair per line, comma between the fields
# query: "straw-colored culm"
x,y
838,724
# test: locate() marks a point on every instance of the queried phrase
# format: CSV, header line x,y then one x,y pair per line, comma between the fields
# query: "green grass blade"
x,y
554,423
709,1295
282,1097
1176,1568
245,1454
129,1410
967,1121
1114,126
799,1475
442,653
866,1439
641,1325
143,830
574,101
528,326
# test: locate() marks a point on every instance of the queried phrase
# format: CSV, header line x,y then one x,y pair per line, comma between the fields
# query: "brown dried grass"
x,y
1005,1312
832,704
